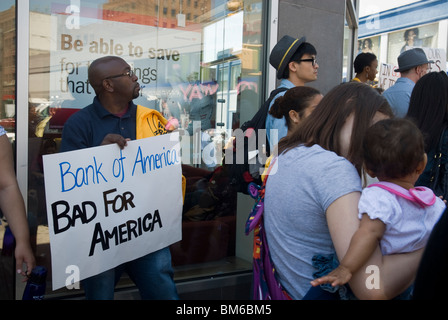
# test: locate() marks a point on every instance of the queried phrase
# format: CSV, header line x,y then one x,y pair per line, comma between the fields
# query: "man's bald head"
x,y
102,68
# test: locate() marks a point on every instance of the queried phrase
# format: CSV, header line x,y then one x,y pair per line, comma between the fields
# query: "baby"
x,y
392,212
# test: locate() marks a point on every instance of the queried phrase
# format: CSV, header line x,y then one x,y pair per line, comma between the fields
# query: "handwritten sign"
x,y
439,58
387,75
107,206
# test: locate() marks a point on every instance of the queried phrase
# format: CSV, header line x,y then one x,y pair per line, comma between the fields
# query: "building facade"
x,y
388,33
202,63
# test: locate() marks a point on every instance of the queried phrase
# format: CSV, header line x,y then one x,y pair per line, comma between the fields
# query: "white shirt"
x,y
408,225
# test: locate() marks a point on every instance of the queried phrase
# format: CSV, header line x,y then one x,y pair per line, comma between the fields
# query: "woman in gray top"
x,y
311,200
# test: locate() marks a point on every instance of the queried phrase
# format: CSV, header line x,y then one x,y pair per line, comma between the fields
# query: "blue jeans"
x,y
324,265
152,274
318,293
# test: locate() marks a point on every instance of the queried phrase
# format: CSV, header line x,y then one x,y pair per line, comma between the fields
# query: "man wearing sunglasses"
x,y
296,65
114,118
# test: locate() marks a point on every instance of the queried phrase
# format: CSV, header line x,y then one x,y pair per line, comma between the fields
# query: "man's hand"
x,y
115,138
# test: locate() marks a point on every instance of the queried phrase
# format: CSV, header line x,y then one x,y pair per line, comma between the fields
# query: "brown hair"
x,y
393,148
297,99
324,125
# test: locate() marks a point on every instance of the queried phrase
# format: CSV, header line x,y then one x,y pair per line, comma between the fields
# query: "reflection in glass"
x,y
423,36
7,121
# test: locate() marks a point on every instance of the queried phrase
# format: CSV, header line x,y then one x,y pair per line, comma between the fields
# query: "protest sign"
x,y
107,206
387,76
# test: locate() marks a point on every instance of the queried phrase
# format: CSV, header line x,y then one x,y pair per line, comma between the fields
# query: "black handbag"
x,y
439,171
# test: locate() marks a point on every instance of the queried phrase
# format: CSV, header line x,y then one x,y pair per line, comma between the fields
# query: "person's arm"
x,y
362,245
13,208
391,274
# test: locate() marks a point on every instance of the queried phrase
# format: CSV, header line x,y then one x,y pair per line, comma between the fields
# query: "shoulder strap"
x,y
259,119
257,193
272,96
422,195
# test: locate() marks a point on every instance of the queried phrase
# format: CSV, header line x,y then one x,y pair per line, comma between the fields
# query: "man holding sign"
x,y
114,118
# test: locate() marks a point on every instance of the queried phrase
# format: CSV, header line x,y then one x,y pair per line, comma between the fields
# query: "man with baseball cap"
x,y
412,64
296,64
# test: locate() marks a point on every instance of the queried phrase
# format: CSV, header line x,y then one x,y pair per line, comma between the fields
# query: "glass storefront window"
x,y
425,36
383,26
7,121
349,30
7,67
198,62
346,74
371,44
